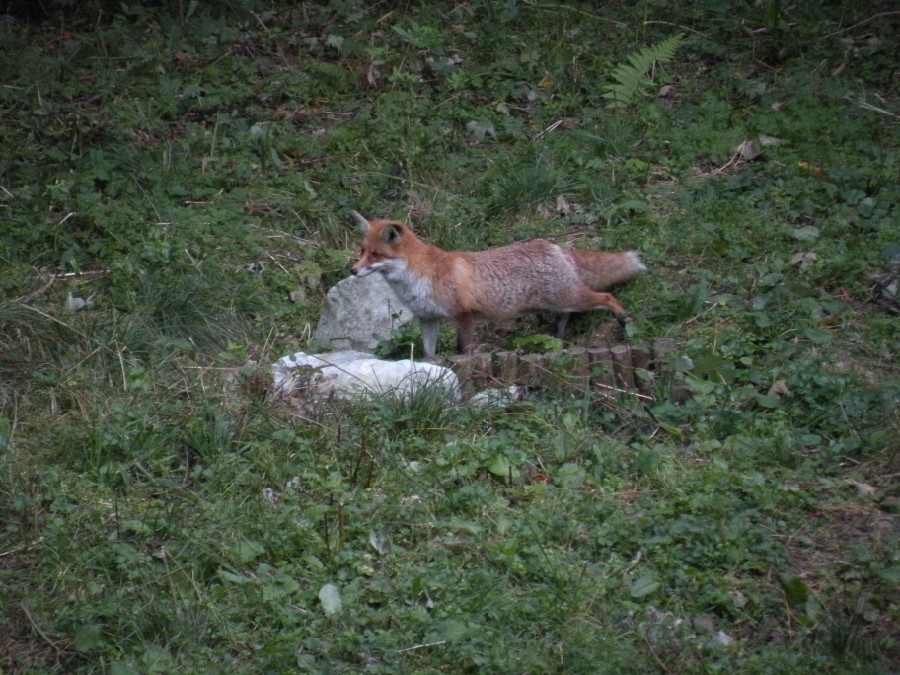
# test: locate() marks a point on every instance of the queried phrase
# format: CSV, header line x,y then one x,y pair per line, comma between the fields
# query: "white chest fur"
x,y
415,291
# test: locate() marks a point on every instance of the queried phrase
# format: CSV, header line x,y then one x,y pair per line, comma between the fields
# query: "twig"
x,y
654,654
39,291
66,275
54,320
733,161
857,25
422,646
33,621
552,127
676,25
643,397
575,10
868,106
269,255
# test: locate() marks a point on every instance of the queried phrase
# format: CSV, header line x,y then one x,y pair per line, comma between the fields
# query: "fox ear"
x,y
392,234
361,221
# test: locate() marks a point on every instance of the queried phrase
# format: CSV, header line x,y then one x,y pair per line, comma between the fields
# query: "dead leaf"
x,y
765,140
862,489
779,388
748,151
667,90
372,76
545,212
804,259
817,171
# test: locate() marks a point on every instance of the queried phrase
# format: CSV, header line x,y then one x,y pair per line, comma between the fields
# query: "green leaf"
x,y
330,597
805,233
157,659
232,577
570,476
379,541
281,586
795,590
767,401
284,435
88,638
816,336
644,586
248,550
500,466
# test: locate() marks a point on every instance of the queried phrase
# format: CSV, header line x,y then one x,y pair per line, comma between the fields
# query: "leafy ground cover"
x,y
175,183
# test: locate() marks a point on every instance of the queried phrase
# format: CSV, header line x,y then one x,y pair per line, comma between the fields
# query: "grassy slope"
x,y
157,515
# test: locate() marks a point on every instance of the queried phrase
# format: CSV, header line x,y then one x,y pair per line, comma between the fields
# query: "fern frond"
x,y
630,76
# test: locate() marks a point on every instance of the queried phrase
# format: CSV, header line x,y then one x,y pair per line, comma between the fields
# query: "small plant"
x,y
402,344
632,77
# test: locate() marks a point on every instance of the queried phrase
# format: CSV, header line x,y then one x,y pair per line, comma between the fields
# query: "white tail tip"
x,y
635,259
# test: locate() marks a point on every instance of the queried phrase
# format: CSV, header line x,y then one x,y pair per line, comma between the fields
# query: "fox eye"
x,y
375,254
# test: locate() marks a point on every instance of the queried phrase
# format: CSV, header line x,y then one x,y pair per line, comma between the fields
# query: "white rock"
x,y
722,639
349,374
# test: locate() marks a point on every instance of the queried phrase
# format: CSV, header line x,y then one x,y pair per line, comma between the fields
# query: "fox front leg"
x,y
429,336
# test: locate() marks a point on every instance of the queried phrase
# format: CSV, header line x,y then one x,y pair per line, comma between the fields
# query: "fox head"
x,y
379,247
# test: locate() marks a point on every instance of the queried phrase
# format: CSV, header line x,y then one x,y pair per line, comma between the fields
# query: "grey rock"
x,y
357,309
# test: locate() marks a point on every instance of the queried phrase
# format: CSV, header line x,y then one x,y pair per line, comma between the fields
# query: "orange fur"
x,y
494,284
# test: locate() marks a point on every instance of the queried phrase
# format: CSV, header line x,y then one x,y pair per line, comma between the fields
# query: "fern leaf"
x,y
634,73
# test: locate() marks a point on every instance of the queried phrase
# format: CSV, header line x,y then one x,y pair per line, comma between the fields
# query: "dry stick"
x,y
33,621
54,320
83,273
635,394
654,654
422,646
868,106
857,25
33,294
733,161
15,422
676,25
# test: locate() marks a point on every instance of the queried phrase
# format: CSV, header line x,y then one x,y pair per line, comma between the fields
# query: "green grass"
x,y
189,171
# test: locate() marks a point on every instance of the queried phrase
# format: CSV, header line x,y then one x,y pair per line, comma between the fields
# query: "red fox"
x,y
494,284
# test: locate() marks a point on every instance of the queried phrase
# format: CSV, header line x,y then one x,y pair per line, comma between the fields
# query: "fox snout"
x,y
359,270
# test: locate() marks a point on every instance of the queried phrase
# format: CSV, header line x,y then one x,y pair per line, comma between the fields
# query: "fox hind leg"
x,y
464,333
588,299
562,323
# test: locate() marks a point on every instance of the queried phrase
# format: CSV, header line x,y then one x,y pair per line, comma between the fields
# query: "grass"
x,y
189,173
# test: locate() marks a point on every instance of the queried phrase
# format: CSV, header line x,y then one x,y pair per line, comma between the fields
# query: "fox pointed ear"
x,y
361,221
392,234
